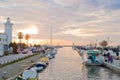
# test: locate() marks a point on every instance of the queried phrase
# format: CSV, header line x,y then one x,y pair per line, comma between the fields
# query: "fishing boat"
x,y
94,58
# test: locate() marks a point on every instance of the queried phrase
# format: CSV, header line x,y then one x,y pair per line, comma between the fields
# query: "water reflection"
x,y
93,72
67,65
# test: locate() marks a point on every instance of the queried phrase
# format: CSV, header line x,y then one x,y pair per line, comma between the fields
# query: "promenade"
x,y
115,66
17,67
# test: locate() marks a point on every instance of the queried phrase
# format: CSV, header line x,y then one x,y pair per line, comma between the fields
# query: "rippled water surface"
x,y
67,65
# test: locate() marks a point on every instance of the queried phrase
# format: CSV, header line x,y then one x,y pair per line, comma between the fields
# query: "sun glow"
x,y
30,30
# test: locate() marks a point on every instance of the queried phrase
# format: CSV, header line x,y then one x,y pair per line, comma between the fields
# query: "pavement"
x,y
13,57
15,68
116,63
115,66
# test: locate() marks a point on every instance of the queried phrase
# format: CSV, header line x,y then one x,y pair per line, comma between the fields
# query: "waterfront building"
x,y
6,37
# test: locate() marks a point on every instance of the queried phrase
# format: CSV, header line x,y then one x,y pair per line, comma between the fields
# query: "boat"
x,y
52,53
50,56
94,58
44,60
27,75
37,68
92,64
41,64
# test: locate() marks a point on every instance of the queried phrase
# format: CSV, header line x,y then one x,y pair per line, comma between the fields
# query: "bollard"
x,y
4,75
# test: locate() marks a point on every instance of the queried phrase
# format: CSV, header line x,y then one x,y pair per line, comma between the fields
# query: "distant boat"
x,y
52,54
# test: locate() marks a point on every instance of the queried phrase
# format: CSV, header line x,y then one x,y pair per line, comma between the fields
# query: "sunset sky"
x,y
79,21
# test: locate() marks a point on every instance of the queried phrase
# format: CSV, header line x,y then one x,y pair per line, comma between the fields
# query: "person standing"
x,y
109,57
117,53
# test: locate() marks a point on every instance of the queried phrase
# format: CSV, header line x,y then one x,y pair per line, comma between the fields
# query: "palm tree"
x,y
27,37
20,36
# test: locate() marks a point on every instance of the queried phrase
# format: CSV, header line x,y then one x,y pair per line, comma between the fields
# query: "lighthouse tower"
x,y
8,30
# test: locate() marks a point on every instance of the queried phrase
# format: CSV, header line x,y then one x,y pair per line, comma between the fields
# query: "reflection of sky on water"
x,y
67,65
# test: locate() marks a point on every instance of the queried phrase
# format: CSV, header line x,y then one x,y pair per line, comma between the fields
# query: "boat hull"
x,y
92,64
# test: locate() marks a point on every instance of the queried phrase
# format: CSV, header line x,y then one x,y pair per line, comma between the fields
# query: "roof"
x,y
93,52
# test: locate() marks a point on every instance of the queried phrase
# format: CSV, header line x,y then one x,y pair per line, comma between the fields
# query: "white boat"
x,y
29,75
94,58
51,56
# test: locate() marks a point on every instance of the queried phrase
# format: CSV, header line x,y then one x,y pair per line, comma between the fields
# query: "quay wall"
x,y
112,67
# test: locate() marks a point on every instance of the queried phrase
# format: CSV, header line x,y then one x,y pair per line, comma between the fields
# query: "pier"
x,y
115,66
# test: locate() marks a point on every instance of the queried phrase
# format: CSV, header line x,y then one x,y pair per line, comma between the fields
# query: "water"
x,y
67,65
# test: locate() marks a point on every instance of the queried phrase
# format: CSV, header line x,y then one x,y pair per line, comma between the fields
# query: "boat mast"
x,y
51,35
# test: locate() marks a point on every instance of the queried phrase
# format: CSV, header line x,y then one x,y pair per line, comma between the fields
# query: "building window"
x,y
0,39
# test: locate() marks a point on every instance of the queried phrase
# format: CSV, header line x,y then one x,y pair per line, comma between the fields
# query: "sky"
x,y
79,21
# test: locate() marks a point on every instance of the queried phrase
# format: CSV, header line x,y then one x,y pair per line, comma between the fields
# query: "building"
x,y
6,37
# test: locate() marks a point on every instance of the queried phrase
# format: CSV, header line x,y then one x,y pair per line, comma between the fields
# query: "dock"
x,y
15,68
115,66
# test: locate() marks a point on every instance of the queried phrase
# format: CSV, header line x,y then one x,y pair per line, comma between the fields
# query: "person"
x,y
108,54
90,57
117,53
108,57
97,59
111,59
105,56
82,54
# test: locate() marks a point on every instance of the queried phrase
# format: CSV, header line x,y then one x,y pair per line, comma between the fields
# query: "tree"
x,y
103,43
20,36
14,46
27,37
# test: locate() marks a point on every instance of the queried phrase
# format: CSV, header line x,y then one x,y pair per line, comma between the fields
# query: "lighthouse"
x,y
6,37
8,30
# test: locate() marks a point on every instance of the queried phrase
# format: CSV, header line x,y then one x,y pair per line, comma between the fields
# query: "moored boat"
x,y
28,75
44,60
94,58
36,68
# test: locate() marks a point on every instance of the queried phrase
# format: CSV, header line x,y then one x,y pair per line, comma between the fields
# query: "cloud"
x,y
70,19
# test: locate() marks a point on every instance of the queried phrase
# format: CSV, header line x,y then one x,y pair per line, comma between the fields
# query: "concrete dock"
x,y
115,66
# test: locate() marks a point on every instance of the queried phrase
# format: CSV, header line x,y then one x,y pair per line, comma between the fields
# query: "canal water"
x,y
67,65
